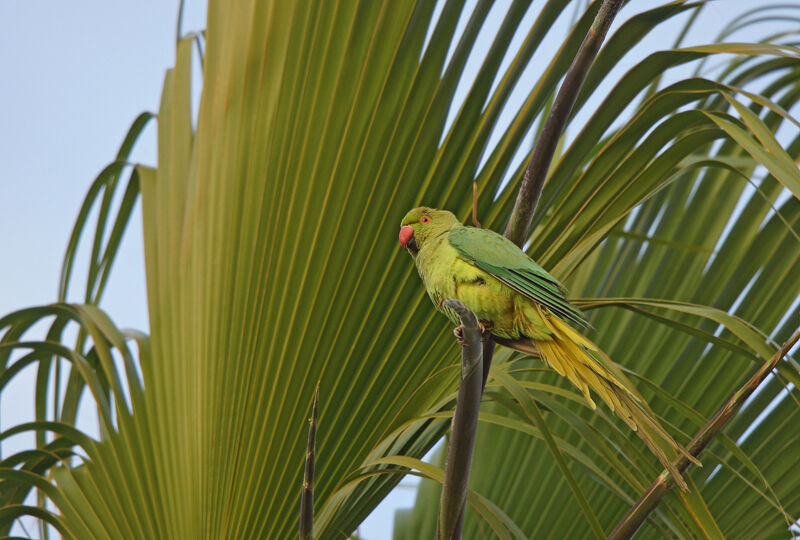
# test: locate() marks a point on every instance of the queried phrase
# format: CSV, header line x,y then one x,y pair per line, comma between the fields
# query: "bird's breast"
x,y
435,262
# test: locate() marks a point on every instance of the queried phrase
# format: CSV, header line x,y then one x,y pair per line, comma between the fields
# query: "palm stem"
x,y
464,427
470,392
661,486
307,496
517,229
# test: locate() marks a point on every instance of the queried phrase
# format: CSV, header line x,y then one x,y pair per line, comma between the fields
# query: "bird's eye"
x,y
425,219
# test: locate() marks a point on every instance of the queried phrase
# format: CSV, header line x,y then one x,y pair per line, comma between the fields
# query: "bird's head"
x,y
423,223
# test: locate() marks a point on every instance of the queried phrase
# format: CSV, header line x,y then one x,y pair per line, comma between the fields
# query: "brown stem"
x,y
474,352
463,427
488,353
307,496
518,226
659,488
475,205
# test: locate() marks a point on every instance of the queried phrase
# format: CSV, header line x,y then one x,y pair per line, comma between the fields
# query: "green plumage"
x,y
524,308
489,274
501,258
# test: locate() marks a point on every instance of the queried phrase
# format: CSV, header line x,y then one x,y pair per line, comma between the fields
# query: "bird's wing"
x,y
501,258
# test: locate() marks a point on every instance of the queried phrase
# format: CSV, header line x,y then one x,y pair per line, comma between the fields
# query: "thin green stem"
x,y
179,24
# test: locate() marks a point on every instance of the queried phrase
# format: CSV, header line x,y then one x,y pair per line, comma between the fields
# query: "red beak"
x,y
406,232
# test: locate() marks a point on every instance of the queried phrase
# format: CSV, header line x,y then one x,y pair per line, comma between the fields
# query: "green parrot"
x,y
524,308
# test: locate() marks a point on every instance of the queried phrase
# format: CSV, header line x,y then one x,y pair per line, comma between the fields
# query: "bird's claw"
x,y
486,332
458,331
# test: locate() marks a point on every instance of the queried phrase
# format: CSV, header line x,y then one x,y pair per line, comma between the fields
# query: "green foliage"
x,y
272,263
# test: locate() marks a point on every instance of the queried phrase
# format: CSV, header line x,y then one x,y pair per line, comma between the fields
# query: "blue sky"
x,y
73,80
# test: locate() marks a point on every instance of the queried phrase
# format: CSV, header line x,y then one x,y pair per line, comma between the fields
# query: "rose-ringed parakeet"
x,y
524,308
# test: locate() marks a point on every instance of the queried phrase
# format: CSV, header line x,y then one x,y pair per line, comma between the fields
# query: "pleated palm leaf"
x,y
272,263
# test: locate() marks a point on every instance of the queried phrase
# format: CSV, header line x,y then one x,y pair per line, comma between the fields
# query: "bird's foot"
x,y
486,330
458,331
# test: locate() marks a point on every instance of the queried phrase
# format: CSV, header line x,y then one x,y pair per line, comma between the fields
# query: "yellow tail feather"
x,y
579,360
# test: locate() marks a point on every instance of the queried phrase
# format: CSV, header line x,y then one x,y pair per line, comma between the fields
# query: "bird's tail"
x,y
587,367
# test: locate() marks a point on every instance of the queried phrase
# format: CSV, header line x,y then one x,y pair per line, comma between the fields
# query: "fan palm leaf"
x,y
271,264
